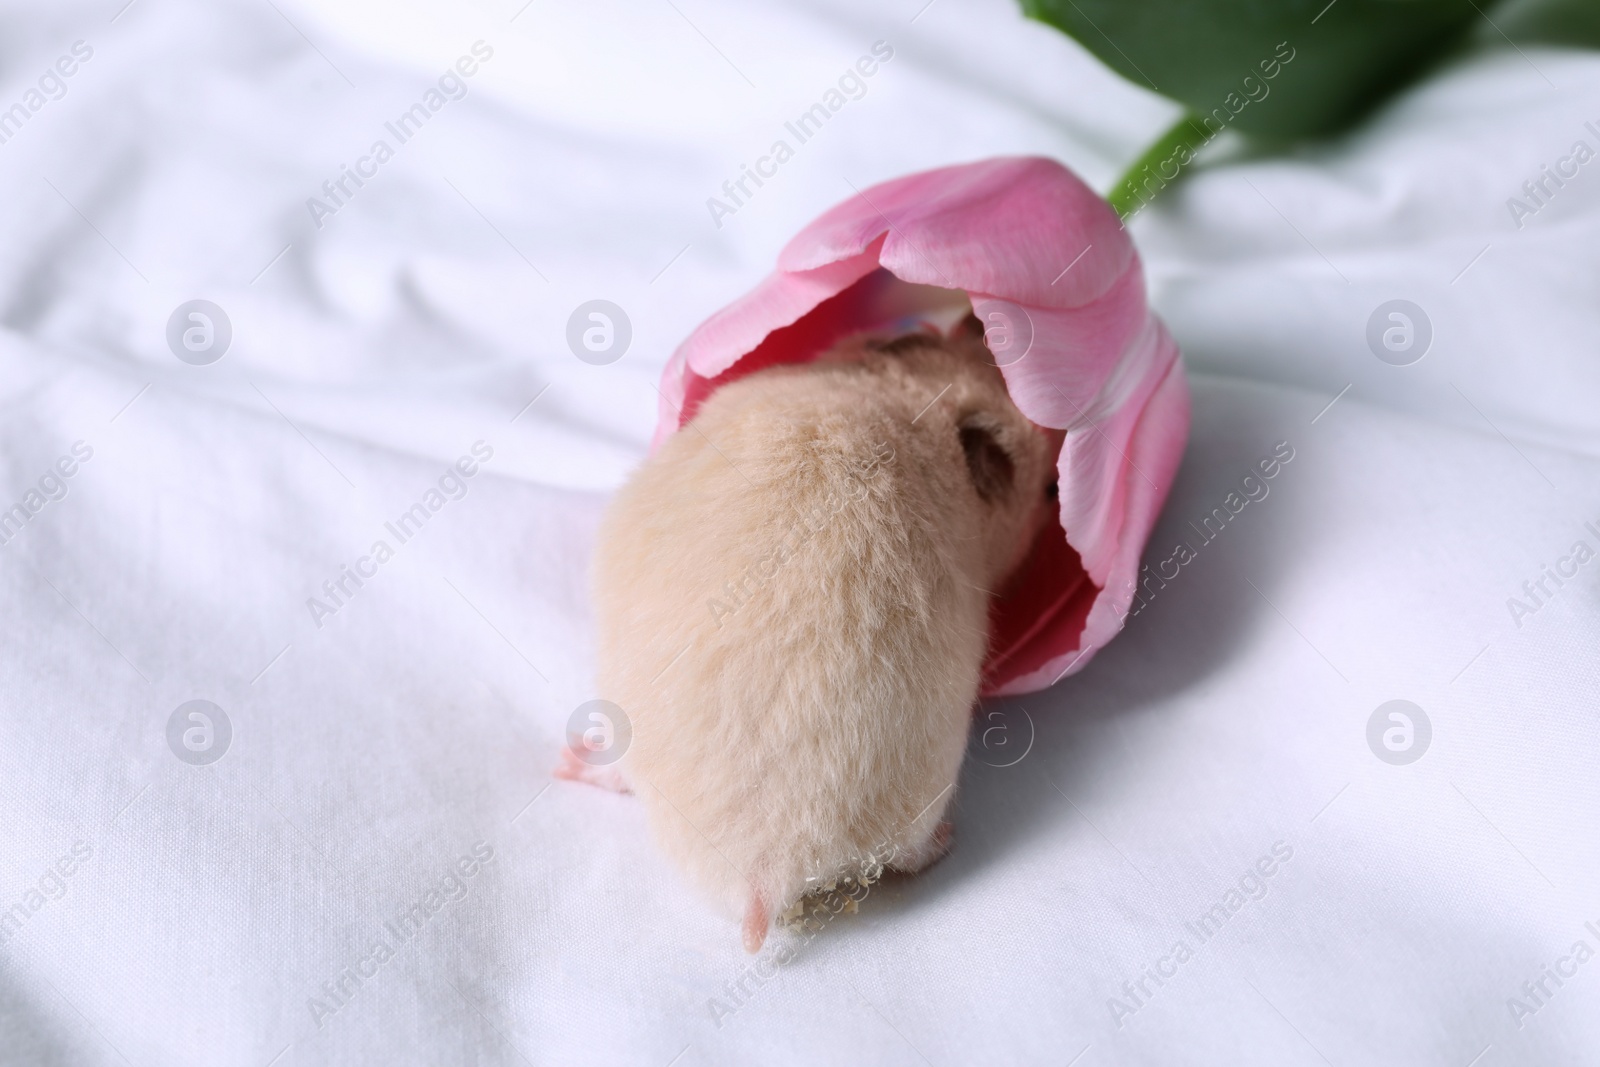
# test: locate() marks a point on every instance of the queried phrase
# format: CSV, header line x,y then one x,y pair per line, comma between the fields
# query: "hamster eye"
x,y
1053,490
989,464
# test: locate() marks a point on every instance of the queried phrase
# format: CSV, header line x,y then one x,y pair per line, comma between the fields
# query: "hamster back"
x,y
792,600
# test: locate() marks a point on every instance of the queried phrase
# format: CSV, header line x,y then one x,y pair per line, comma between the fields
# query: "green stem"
x,y
1137,186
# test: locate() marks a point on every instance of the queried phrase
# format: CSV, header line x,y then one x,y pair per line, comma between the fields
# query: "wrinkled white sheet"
x,y
397,754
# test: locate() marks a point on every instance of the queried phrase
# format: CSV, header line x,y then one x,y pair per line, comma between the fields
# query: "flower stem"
x,y
1136,188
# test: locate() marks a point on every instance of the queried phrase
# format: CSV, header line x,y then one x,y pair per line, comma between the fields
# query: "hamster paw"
x,y
931,852
574,769
757,920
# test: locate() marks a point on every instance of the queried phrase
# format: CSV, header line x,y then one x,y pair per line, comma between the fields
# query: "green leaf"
x,y
1568,22
1273,69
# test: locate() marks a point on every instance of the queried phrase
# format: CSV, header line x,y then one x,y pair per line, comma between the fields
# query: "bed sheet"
x,y
1214,846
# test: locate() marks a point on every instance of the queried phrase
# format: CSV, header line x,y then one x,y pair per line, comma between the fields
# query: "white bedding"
x,y
395,749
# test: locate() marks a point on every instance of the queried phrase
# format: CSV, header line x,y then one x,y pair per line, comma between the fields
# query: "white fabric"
x,y
422,718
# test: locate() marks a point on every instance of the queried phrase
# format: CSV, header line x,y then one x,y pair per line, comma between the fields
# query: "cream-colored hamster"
x,y
792,598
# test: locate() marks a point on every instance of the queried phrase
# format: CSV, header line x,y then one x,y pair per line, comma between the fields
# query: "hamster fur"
x,y
792,600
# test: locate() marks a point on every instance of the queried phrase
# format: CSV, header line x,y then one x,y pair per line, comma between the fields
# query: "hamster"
x,y
792,601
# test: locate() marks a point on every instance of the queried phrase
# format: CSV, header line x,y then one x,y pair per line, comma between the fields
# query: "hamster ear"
x,y
969,328
756,921
987,461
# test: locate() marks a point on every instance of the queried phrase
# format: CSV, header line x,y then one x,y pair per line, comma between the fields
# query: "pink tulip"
x,y
1047,266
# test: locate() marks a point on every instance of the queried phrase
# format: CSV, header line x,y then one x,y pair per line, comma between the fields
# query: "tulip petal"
x,y
1093,610
1063,246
